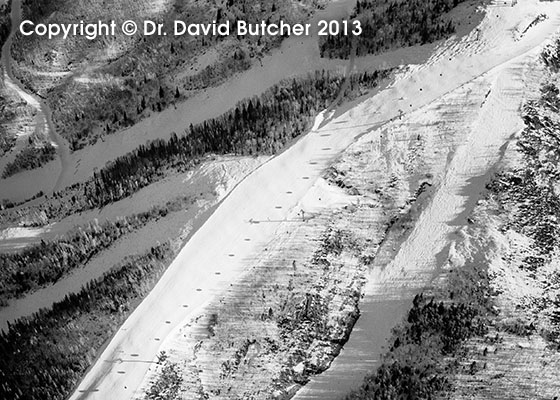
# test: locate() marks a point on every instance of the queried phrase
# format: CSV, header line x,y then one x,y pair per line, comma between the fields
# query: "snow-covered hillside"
x,y
470,91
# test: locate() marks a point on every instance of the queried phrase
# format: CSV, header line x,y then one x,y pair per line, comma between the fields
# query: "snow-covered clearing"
x,y
497,64
16,238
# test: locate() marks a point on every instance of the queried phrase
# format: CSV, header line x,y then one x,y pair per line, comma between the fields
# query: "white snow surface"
x,y
272,194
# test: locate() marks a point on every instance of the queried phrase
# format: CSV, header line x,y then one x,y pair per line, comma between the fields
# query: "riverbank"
x,y
295,57
45,133
196,193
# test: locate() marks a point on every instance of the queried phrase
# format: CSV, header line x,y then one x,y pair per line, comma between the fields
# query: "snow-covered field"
x,y
498,61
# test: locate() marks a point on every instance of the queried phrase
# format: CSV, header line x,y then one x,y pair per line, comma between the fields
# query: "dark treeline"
x,y
7,141
5,203
388,24
30,158
409,374
532,186
260,125
286,110
214,74
44,356
551,56
151,69
49,261
168,383
423,351
428,348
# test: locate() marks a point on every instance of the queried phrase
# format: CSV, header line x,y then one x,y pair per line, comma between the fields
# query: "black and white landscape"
x,y
306,217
